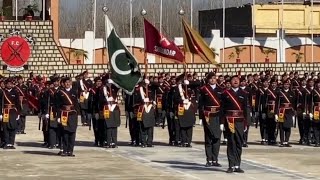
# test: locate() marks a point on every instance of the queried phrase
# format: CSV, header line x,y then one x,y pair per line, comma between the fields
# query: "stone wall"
x,y
46,58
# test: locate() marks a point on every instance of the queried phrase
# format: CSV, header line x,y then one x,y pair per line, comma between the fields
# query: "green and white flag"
x,y
124,69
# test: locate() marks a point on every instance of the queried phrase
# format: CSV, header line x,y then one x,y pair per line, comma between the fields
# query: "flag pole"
x,y
143,13
181,13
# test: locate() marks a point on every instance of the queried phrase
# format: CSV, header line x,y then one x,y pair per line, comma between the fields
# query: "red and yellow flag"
x,y
194,43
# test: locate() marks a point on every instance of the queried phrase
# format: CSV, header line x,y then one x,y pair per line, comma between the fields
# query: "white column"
x,y
312,38
94,31
131,36
253,32
43,10
16,10
223,28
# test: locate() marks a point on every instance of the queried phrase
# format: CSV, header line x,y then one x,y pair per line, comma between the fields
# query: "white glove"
x,y
171,115
154,103
131,114
146,81
18,117
293,118
146,100
186,82
311,115
186,101
304,115
276,118
1,117
110,99
264,116
250,114
47,116
110,81
245,129
96,116
59,120
222,127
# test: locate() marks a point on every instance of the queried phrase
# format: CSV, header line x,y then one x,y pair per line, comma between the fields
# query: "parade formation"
x,y
227,106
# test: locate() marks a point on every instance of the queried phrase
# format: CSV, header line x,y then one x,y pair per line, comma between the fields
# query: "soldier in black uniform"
x,y
303,94
97,122
262,109
185,112
85,84
210,112
67,116
23,90
169,106
50,111
10,113
159,90
110,113
249,116
285,113
235,103
271,94
146,114
314,115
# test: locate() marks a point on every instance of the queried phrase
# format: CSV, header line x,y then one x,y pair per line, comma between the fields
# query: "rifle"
x,y
39,126
92,113
49,99
295,117
127,118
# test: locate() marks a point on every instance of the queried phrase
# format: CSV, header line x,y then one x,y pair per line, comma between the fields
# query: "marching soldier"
x,y
110,113
159,90
23,91
210,111
314,113
146,115
50,111
262,109
235,103
97,122
67,116
186,112
271,94
85,84
285,113
10,113
169,106
303,102
43,100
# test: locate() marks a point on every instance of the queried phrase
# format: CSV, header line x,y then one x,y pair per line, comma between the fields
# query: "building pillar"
x,y
54,12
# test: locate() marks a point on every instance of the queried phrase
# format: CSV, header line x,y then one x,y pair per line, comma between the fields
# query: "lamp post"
x,y
131,24
223,28
105,10
94,30
16,10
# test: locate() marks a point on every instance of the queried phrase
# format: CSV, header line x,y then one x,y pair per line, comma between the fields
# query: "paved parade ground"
x,y
31,161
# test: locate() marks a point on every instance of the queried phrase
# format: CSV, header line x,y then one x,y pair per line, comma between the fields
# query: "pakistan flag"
x,y
124,68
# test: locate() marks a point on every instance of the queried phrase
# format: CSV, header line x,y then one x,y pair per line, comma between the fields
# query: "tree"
x,y
267,51
298,56
78,53
238,51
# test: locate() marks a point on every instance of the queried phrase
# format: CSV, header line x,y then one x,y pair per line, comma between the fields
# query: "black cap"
x,y
97,79
210,75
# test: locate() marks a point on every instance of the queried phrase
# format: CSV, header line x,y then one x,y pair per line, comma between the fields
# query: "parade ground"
x,y
31,161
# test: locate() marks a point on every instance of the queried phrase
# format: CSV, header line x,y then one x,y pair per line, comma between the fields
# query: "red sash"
x,y
67,96
285,97
272,94
234,100
212,96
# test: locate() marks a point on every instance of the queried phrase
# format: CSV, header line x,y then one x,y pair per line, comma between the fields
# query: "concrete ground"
x,y
31,161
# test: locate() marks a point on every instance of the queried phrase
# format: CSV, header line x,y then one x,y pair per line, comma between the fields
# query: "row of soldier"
x,y
276,104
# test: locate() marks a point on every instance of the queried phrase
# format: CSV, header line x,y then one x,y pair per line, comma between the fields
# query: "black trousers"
x,y
60,131
112,135
301,127
53,136
263,128
211,145
101,131
271,128
246,135
95,130
171,128
85,116
69,139
186,134
316,131
132,127
284,133
9,135
177,128
234,145
146,135
307,130
22,123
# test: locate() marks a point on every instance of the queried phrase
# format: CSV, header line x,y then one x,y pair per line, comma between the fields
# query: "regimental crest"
x,y
16,50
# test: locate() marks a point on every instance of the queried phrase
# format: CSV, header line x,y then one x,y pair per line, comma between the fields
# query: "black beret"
x,y
97,79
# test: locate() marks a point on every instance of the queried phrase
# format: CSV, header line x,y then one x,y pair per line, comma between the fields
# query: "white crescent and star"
x,y
114,64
